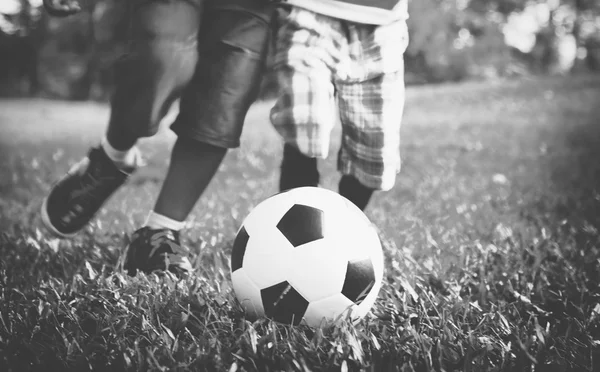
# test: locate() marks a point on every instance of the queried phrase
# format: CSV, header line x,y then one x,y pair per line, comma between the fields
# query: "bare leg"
x,y
193,165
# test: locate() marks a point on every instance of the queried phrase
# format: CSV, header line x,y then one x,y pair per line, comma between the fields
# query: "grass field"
x,y
495,221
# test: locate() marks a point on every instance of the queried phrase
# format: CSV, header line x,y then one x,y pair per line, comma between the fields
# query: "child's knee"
x,y
375,172
382,182
148,80
307,128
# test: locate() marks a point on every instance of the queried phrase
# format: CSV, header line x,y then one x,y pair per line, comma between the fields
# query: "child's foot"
x,y
75,199
159,249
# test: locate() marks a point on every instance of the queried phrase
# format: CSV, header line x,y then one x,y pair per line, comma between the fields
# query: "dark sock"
x,y
297,169
120,139
193,165
356,192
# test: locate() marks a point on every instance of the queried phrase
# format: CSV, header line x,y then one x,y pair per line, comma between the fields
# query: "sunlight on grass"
x,y
492,262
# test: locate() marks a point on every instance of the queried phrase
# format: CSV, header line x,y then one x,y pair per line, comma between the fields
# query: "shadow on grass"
x,y
29,259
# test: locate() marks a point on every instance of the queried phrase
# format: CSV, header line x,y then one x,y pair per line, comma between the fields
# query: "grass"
x,y
493,263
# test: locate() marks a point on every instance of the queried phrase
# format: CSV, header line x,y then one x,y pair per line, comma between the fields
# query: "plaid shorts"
x,y
327,67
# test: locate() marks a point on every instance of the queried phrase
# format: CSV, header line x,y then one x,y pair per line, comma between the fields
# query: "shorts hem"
x,y
206,138
374,182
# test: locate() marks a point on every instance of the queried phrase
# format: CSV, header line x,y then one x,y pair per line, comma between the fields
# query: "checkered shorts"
x,y
327,67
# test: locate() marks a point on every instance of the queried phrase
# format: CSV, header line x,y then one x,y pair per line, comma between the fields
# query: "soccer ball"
x,y
307,256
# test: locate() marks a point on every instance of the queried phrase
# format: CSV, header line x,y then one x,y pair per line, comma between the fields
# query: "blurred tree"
x,y
450,40
576,19
78,48
20,37
84,46
455,40
587,32
504,7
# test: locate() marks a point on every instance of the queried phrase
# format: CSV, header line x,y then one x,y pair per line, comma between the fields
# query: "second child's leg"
x,y
371,104
369,157
304,113
356,192
297,169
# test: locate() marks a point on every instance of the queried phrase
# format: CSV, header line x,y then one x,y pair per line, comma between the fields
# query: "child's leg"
x,y
369,157
297,169
161,59
193,165
304,113
213,107
371,102
356,192
159,63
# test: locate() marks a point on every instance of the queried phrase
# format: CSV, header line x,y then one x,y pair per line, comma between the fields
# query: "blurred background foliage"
x,y
451,40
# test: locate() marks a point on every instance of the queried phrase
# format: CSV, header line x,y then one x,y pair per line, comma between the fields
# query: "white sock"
x,y
122,159
158,221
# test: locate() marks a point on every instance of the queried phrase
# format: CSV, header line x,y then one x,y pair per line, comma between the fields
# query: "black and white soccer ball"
x,y
307,255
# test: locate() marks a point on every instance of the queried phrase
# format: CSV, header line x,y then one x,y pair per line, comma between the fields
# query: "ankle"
x,y
129,158
157,221
297,169
356,192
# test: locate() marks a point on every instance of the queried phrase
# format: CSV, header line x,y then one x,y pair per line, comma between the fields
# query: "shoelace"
x,y
160,238
90,192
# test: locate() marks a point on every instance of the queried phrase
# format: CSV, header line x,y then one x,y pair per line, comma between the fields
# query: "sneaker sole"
x,y
48,225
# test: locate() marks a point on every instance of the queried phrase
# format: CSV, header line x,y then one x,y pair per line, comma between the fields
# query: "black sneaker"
x,y
152,250
75,199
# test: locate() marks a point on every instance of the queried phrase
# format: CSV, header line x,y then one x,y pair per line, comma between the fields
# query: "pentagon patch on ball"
x,y
302,224
360,278
283,303
239,249
306,256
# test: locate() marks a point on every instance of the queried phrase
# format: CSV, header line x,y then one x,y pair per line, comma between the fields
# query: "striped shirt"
x,y
375,12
